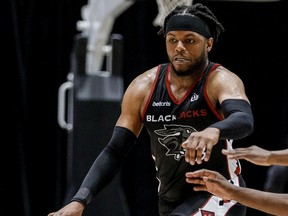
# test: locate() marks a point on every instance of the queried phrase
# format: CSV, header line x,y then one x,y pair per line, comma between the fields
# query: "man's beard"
x,y
196,67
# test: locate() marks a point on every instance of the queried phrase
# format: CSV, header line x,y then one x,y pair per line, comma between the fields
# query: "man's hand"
x,y
212,182
71,209
199,145
253,154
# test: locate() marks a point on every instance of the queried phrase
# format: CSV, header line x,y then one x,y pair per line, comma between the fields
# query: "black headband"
x,y
188,23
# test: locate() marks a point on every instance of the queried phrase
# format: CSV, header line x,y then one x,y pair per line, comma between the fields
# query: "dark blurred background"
x,y
38,38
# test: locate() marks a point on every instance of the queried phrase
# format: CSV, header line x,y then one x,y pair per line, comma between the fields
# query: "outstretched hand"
x,y
212,182
71,209
199,145
253,154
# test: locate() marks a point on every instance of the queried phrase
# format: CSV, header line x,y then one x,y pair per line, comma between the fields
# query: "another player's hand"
x,y
211,181
71,209
253,154
198,146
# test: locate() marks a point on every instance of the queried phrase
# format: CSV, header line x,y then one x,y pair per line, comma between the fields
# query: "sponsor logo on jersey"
x,y
161,103
194,97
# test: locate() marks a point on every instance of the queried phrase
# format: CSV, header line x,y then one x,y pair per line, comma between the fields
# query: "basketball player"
x,y
192,108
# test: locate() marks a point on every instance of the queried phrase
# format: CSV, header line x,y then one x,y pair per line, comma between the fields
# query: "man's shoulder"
x,y
220,69
150,74
145,80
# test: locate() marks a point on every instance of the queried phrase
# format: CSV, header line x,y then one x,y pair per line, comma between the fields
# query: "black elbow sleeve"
x,y
238,122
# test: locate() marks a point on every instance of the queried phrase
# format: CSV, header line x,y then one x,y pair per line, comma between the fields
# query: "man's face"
x,y
187,50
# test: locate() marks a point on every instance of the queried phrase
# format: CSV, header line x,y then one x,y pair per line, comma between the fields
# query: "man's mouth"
x,y
181,59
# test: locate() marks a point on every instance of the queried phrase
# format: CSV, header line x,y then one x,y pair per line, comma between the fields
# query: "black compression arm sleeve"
x,y
106,165
238,122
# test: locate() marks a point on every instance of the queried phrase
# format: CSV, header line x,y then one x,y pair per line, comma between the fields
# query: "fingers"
x,y
198,178
210,180
195,153
238,153
228,153
199,175
200,188
54,214
199,145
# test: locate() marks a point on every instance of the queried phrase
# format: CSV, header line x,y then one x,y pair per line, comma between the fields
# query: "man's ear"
x,y
209,44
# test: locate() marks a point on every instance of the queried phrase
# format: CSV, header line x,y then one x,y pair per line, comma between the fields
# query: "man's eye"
x,y
189,41
172,40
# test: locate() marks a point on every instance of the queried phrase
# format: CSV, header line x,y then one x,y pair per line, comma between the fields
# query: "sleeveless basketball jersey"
x,y
169,122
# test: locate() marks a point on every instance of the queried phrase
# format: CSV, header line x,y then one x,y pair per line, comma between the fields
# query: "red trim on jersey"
x,y
168,86
211,106
151,93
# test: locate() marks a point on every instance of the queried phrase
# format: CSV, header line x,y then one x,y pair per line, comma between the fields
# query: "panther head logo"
x,y
172,136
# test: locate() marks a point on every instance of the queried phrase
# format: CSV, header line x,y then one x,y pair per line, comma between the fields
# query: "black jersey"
x,y
169,122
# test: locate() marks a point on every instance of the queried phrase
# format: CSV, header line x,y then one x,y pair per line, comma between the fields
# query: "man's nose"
x,y
180,47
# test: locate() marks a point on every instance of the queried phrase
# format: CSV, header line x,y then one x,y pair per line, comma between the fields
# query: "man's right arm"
x,y
110,160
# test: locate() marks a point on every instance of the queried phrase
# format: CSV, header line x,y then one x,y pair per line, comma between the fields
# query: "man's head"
x,y
190,32
197,18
